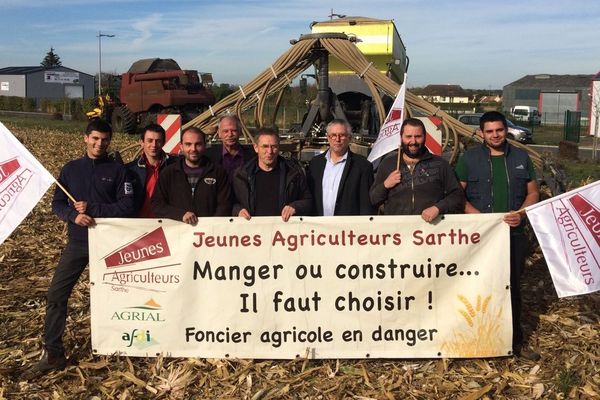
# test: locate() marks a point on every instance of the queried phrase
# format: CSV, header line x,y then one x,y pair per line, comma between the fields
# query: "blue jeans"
x,y
72,262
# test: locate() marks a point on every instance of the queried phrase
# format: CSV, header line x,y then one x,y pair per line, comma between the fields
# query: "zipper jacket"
x,y
431,182
173,195
103,183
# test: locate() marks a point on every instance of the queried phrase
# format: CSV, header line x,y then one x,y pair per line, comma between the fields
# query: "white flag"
x,y
389,134
23,182
568,230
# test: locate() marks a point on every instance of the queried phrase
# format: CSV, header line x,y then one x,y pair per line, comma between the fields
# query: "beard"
x,y
413,154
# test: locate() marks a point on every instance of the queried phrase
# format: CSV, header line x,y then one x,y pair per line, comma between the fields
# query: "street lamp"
x,y
100,36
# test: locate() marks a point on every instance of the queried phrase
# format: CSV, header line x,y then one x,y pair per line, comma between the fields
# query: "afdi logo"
x,y
149,246
150,311
138,338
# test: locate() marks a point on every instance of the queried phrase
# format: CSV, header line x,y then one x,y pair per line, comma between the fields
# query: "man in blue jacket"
x,y
101,189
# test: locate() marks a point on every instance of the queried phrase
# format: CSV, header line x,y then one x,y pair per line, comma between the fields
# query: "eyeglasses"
x,y
338,136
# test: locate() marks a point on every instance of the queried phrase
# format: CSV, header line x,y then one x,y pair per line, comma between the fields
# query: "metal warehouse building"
x,y
45,83
551,94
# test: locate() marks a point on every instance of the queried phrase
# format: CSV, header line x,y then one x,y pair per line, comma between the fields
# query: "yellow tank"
x,y
377,39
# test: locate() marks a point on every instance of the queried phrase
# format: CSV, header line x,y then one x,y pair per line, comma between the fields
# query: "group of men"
x,y
230,179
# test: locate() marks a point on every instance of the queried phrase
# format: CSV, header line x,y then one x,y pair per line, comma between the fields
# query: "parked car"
x,y
527,114
515,132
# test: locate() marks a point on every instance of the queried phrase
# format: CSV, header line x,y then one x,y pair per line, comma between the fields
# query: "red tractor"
x,y
158,86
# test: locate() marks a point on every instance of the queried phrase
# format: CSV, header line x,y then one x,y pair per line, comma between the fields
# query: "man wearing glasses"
x,y
339,180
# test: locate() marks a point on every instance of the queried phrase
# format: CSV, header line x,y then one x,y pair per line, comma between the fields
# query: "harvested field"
x,y
566,332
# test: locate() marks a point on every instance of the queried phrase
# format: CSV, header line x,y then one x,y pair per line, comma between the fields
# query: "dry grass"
x,y
565,331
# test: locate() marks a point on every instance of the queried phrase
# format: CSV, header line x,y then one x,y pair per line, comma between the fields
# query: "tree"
x,y
222,90
51,60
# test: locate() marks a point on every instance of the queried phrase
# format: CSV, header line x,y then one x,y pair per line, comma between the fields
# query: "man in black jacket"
x,y
339,180
270,185
193,186
145,169
424,184
101,188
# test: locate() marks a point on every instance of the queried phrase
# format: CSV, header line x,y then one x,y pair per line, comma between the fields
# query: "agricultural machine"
x,y
155,86
358,64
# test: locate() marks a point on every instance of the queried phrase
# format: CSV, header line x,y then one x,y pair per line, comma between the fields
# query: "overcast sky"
x,y
475,44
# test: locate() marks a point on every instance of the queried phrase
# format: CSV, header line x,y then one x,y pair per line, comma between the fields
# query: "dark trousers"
x,y
518,252
72,262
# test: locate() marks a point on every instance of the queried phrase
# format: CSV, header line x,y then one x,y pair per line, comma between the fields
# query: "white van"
x,y
526,113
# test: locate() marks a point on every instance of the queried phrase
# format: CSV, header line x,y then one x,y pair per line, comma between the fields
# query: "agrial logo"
x,y
138,338
150,311
149,246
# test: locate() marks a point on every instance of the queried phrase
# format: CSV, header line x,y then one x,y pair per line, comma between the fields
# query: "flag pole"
x,y
399,156
65,190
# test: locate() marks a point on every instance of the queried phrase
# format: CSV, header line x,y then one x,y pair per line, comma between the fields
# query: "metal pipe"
x,y
323,94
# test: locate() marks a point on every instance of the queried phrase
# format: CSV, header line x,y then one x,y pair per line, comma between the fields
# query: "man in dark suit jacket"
x,y
339,180
230,154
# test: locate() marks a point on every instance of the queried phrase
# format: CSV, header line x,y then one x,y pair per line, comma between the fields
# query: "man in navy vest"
x,y
499,177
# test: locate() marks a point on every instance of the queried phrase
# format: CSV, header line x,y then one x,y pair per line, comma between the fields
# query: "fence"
x,y
572,126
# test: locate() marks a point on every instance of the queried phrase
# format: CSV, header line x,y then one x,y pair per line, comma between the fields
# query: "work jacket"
x,y
101,182
292,190
173,194
430,183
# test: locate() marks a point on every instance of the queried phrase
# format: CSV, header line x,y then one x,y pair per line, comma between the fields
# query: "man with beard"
x,y
230,154
193,186
423,185
498,177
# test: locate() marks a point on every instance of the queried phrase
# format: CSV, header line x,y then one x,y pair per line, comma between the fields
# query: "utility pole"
x,y
100,36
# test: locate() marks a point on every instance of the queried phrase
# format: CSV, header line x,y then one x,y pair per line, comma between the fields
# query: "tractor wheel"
x,y
123,120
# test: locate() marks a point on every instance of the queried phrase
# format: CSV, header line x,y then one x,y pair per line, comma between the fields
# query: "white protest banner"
x,y
337,287
23,182
568,230
389,135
